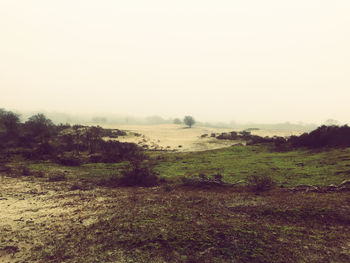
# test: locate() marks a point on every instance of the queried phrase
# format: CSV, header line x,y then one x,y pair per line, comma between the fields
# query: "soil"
x,y
32,210
41,221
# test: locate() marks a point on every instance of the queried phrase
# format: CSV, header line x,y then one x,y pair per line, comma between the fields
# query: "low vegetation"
x,y
322,137
217,225
39,139
253,203
260,183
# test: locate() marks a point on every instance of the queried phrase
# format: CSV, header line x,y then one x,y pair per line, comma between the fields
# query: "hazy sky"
x,y
243,60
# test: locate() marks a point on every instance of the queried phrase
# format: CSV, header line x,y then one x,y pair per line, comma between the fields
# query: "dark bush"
x,y
9,123
39,128
113,133
5,169
25,171
114,151
138,174
249,138
61,127
69,160
260,183
111,181
46,149
42,151
324,136
40,139
95,158
38,174
57,176
79,186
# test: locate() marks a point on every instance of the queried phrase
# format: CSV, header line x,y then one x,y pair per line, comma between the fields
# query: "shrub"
x,y
39,128
38,174
57,176
77,186
44,151
139,174
24,170
260,183
5,169
69,160
114,151
324,136
167,188
111,181
9,122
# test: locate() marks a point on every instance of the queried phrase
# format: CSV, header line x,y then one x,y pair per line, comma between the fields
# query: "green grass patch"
x,y
236,163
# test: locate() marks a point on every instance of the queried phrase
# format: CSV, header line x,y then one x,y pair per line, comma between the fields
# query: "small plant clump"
x,y
56,177
139,174
68,160
260,183
25,171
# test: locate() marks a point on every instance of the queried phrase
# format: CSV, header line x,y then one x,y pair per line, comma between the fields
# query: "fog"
x,y
219,61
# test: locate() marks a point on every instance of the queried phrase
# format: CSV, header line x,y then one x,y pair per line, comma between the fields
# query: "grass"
x,y
291,168
93,172
236,163
191,225
184,224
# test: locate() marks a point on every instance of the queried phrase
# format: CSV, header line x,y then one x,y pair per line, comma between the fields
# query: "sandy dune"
x,y
180,138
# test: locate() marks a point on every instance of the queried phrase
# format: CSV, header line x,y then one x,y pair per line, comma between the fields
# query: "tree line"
x,y
39,138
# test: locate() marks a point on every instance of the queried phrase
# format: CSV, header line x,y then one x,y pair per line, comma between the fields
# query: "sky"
x,y
244,60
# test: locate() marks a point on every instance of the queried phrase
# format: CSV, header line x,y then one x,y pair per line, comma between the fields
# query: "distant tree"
x,y
177,121
189,121
93,135
40,127
9,122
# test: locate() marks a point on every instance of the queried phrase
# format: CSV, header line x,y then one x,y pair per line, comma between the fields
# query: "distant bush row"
x,y
324,136
39,138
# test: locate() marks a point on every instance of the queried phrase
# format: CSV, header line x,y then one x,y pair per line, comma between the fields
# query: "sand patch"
x,y
173,137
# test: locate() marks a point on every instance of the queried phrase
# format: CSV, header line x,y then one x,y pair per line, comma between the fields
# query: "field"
x,y
78,217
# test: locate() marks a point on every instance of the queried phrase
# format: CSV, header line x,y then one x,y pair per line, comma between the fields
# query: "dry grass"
x,y
182,225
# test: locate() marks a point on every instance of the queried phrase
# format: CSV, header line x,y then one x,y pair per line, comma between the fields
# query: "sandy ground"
x,y
180,138
33,210
37,216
